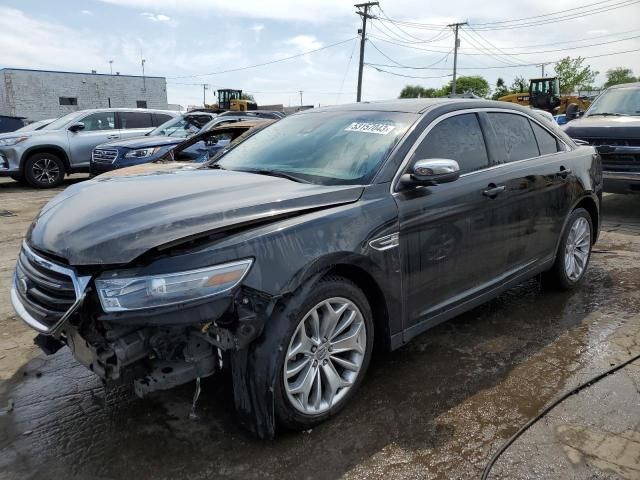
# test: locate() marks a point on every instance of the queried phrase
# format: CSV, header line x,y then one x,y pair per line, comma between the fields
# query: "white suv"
x,y
43,157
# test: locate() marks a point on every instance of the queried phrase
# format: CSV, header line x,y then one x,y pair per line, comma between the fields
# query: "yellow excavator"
x,y
230,99
544,94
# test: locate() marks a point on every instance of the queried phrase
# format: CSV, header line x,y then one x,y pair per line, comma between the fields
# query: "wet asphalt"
x,y
436,408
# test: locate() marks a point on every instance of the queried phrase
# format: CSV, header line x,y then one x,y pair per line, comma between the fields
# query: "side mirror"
x,y
432,172
76,127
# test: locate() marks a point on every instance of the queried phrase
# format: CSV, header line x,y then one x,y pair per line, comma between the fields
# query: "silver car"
x,y
43,157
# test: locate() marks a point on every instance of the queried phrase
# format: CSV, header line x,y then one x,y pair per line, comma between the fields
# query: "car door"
x,y
134,124
448,232
535,187
99,127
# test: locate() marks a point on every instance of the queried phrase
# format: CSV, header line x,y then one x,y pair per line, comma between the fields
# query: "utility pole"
x,y
301,92
110,67
364,13
455,26
204,95
542,66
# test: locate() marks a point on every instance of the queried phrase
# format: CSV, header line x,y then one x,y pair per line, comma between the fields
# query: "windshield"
x,y
182,127
330,147
62,121
617,101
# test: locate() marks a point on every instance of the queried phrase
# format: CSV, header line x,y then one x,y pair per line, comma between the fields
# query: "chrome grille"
x,y
104,155
45,293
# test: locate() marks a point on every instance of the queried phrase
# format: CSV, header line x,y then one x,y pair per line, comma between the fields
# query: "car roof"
x,y
417,105
625,85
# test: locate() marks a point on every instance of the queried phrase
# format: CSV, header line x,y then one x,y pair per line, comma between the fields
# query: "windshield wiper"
x,y
609,114
273,173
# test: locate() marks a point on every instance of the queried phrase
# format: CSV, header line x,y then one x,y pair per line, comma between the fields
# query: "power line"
x,y
532,21
267,63
483,51
510,66
401,75
346,71
400,65
437,37
487,42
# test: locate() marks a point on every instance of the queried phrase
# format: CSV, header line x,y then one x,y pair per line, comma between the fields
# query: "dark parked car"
x,y
612,125
285,258
144,149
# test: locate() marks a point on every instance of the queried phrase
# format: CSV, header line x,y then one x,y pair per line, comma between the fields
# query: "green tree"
x,y
619,75
501,89
519,85
416,91
473,83
573,74
412,91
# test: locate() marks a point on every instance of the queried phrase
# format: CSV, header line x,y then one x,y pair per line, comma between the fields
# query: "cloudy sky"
x,y
184,40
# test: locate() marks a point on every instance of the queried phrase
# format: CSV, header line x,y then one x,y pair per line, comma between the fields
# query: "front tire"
x,y
44,170
574,252
327,349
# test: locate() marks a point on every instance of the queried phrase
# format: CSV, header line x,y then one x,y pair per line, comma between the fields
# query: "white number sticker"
x,y
365,127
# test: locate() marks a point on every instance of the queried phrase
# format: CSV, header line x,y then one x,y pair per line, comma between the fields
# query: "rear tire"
x,y
574,252
44,170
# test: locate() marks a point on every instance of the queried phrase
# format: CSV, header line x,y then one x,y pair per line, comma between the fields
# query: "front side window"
x,y
135,120
99,121
515,140
326,147
456,138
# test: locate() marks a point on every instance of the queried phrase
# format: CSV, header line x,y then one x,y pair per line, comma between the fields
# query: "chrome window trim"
x,y
405,161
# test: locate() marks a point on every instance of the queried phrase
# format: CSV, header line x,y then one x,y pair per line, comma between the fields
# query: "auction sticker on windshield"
x,y
366,127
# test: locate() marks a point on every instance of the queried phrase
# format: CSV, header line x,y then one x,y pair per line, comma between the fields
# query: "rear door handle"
x,y
564,172
111,137
493,191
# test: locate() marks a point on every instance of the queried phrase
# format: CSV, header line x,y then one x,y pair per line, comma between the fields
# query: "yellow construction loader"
x,y
544,94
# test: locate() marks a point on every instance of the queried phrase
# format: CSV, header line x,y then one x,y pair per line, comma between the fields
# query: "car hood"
x,y
113,220
609,127
143,142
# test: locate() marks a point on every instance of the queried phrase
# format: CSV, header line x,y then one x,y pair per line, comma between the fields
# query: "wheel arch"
x,y
362,272
53,149
590,205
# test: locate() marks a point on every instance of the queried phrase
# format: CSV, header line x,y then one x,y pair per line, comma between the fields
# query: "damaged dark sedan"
x,y
290,254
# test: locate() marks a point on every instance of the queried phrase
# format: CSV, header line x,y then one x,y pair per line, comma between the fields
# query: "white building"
x,y
40,94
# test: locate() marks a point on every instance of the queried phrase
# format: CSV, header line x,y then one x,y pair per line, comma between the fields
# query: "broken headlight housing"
x,y
120,293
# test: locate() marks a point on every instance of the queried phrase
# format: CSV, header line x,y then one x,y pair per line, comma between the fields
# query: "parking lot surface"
x,y
435,409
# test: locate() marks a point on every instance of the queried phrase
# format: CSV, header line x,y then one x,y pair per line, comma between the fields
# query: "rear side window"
x,y
135,120
547,143
160,118
456,138
515,140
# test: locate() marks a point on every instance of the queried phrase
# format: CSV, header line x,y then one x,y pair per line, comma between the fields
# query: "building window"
x,y
141,103
68,101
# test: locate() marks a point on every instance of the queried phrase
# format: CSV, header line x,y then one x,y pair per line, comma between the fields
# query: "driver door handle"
x,y
493,191
112,137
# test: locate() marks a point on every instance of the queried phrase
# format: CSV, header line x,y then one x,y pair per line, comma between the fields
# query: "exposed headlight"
x,y
119,294
7,142
141,152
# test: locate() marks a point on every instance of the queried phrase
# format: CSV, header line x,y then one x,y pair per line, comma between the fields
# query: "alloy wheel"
x,y
576,253
45,171
325,355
